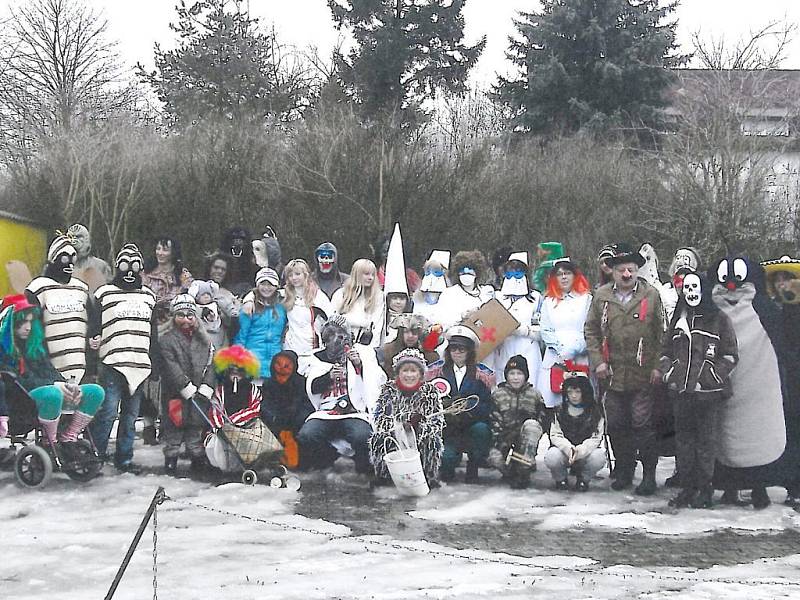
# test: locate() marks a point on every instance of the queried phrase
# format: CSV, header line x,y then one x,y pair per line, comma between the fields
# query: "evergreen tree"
x,y
405,50
224,67
590,64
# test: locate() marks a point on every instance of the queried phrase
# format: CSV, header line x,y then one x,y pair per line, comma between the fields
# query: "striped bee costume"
x,y
63,300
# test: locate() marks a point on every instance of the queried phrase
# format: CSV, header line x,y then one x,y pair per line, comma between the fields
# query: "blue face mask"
x,y
514,275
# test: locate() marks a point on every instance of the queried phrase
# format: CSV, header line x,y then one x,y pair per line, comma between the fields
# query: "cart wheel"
x,y
292,483
84,465
249,477
33,467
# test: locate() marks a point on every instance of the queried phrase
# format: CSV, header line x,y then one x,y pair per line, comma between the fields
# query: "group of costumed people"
x,y
330,364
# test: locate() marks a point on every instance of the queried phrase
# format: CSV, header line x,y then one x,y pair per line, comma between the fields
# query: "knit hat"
x,y
409,355
182,302
60,245
517,362
129,253
269,275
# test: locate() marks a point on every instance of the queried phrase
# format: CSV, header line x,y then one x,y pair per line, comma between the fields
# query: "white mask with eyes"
x,y
692,290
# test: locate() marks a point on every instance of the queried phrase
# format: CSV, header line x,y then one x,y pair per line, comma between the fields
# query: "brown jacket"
x,y
626,336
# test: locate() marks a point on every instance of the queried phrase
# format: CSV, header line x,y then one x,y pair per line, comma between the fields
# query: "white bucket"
x,y
405,468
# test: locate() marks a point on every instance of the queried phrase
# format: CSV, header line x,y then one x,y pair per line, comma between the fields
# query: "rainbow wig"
x,y
9,321
238,357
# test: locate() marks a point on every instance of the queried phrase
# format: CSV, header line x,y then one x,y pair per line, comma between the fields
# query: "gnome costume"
x,y
394,284
434,282
124,322
524,304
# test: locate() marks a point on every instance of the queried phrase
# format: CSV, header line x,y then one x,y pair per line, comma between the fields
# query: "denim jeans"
x,y
316,434
118,399
475,441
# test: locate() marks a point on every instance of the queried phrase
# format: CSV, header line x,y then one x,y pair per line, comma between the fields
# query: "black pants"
x,y
695,425
629,417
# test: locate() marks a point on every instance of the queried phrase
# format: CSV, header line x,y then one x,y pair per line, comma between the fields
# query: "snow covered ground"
x,y
232,541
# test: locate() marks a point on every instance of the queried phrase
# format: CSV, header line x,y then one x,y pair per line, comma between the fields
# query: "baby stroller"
x,y
35,462
251,450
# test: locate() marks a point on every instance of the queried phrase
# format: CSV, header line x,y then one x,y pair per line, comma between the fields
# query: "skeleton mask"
x,y
326,259
692,289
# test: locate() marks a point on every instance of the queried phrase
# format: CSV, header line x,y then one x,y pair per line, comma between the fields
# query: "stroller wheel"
x,y
83,465
33,467
292,483
249,477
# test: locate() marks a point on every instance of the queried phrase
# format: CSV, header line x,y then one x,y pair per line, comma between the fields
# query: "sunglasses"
x,y
434,272
325,255
515,275
457,348
466,271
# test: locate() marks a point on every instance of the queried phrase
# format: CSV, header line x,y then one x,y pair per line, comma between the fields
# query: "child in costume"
x,y
576,435
262,331
236,401
518,420
468,432
23,355
409,399
211,317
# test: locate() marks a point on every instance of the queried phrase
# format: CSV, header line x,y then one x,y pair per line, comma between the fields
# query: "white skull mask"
x,y
692,289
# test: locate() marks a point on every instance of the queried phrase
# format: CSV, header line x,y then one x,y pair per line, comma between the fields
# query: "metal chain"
x,y
456,554
155,553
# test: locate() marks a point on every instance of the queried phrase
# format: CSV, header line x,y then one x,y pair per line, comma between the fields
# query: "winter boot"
x,y
759,498
472,472
648,486
704,498
684,498
76,426
562,485
733,498
581,485
520,478
149,435
171,465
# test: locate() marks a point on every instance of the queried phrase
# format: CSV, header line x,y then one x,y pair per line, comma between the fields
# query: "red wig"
x,y
580,285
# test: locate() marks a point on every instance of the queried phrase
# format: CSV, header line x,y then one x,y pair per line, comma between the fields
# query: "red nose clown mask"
x,y
283,369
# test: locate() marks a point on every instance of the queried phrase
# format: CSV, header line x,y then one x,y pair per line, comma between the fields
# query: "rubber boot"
x,y
704,498
76,426
472,472
648,486
171,465
684,498
759,498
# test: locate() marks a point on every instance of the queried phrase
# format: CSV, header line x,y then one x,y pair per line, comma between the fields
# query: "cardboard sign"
x,y
492,323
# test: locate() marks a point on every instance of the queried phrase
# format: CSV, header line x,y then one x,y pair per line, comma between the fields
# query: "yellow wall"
x,y
20,241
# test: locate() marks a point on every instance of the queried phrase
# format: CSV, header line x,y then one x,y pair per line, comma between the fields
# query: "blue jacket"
x,y
262,334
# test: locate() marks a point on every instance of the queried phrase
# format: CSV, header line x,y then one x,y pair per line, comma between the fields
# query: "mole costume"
x,y
751,427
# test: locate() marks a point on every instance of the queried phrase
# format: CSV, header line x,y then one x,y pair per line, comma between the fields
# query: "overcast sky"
x,y
138,24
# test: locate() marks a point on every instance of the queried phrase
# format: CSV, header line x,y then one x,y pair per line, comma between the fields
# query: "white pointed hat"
x,y
395,275
440,256
520,256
